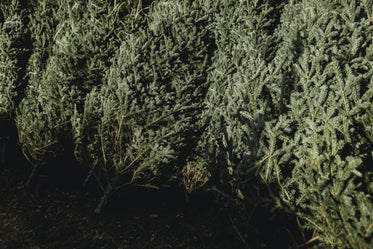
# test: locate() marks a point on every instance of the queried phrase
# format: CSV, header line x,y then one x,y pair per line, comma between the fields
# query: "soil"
x,y
53,215
58,213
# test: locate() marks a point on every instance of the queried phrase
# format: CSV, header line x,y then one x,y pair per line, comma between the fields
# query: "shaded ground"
x,y
54,216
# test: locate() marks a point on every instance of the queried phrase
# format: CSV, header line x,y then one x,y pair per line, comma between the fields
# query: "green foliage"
x,y
72,50
12,33
241,98
113,22
148,108
271,102
29,117
291,105
325,152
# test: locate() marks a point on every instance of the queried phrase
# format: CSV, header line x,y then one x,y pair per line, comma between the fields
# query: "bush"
x,y
12,52
146,113
269,103
327,149
72,47
290,109
242,97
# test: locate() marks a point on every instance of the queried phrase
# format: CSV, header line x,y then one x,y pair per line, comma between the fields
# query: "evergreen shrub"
x,y
269,103
314,140
328,147
12,50
113,22
242,97
71,50
145,115
290,109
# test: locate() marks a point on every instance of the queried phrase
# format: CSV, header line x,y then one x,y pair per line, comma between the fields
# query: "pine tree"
x,y
296,113
12,50
72,51
151,101
117,20
42,26
240,100
326,150
270,101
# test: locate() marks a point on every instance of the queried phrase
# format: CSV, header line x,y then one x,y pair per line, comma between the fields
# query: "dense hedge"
x,y
268,103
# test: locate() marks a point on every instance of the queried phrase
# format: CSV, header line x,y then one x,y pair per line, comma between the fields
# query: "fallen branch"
x,y
238,232
308,242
